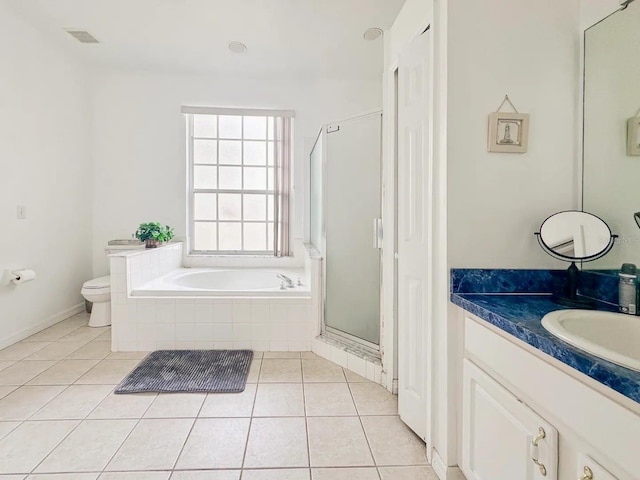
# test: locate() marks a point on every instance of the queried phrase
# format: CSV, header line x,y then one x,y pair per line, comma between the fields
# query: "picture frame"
x,y
633,137
508,132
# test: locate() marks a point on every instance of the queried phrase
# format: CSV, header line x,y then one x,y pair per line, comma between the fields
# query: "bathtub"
x,y
240,282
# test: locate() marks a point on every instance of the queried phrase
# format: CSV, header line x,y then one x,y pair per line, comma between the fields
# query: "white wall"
x,y
139,139
44,165
528,50
592,11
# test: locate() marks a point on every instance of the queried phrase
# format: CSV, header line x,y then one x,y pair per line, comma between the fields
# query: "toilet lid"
x,y
101,282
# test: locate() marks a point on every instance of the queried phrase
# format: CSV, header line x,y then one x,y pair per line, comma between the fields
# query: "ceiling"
x,y
302,38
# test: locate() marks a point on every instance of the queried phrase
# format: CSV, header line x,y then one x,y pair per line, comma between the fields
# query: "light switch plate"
x,y
21,212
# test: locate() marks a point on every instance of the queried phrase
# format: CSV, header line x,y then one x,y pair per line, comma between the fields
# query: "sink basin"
x,y
612,336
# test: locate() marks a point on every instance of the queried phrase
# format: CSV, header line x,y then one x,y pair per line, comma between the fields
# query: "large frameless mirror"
x,y
611,169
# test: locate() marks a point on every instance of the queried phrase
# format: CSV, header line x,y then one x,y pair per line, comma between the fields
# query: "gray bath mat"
x,y
212,371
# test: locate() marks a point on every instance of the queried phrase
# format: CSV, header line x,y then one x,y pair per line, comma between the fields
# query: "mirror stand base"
x,y
574,302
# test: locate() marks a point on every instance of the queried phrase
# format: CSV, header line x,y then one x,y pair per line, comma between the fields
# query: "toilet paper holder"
x,y
16,276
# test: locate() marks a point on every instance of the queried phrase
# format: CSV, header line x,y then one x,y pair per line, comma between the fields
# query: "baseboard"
x,y
443,471
52,320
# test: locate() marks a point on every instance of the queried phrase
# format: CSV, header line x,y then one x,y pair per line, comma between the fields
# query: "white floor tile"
x,y
393,443
328,399
230,404
153,445
20,350
108,372
89,447
135,476
25,401
279,400
354,473
19,453
91,351
176,405
55,351
215,443
279,474
206,475
63,476
123,406
337,442
277,442
21,372
280,371
373,399
407,473
7,427
65,372
321,370
75,403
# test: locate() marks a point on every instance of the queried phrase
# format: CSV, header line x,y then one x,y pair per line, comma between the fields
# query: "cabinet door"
x,y
588,469
498,433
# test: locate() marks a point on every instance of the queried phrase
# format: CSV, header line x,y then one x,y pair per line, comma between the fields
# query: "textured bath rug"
x,y
211,371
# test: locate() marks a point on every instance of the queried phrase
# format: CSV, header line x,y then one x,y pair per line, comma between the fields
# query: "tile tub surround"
x,y
520,315
288,424
145,323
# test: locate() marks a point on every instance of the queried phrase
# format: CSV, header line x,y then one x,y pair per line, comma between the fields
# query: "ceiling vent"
x,y
82,36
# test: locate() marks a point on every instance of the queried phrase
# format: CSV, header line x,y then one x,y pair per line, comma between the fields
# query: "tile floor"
x,y
300,418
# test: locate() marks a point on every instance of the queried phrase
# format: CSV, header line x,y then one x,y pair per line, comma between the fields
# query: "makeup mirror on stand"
x,y
575,236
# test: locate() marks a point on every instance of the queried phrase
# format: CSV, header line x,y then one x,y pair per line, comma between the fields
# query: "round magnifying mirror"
x,y
575,236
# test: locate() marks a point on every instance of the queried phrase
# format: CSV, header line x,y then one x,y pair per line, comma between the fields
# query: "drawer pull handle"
x,y
534,451
588,474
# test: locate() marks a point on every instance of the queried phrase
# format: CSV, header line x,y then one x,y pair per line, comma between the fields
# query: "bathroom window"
x,y
239,180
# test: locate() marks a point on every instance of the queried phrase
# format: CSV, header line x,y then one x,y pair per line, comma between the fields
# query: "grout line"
x,y
190,430
375,463
306,421
253,407
128,434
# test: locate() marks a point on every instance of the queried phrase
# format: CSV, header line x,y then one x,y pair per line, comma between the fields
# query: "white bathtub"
x,y
240,282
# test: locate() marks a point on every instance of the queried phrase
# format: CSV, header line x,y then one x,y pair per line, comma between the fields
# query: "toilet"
x,y
98,290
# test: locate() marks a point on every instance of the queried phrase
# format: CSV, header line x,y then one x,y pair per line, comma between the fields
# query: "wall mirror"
x,y
611,170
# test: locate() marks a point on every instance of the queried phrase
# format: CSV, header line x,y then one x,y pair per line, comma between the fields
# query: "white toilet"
x,y
98,290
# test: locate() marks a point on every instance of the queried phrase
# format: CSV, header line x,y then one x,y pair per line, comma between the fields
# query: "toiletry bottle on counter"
x,y
628,288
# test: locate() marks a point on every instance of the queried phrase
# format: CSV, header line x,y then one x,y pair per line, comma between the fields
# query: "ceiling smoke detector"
x,y
82,36
372,34
237,47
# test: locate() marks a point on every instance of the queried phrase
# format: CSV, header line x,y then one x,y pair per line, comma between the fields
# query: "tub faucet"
x,y
286,280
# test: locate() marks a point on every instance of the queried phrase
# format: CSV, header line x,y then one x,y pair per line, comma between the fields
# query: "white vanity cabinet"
x,y
589,469
503,438
512,392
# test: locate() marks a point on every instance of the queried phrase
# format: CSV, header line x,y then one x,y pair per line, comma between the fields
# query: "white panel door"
x,y
414,172
499,433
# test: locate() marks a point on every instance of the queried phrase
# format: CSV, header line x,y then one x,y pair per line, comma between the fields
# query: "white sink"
x,y
612,336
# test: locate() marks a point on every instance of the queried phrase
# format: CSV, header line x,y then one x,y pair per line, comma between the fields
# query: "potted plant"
x,y
153,234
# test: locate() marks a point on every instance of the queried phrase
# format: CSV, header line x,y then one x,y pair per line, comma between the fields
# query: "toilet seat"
x,y
98,283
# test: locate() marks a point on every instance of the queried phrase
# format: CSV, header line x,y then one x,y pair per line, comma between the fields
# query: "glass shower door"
x,y
352,204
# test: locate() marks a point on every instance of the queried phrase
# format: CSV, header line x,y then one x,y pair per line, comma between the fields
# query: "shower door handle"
x,y
377,233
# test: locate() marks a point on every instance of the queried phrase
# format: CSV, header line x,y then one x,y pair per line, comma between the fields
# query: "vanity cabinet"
x,y
503,438
589,469
512,392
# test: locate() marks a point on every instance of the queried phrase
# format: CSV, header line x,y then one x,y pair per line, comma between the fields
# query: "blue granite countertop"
x,y
520,315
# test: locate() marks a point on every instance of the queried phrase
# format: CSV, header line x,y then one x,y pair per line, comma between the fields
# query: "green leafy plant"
x,y
154,232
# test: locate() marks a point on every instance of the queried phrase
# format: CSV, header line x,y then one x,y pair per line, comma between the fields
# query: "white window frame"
x,y
189,113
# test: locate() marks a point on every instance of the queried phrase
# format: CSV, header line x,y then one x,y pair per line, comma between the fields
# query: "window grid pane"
x,y
232,222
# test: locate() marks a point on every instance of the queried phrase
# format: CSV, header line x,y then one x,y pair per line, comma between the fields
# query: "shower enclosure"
x,y
345,226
